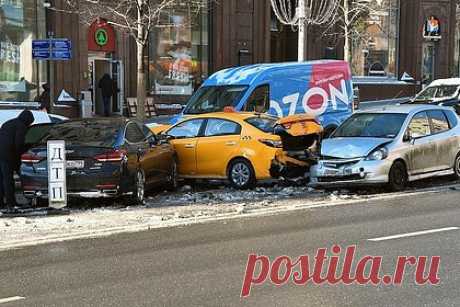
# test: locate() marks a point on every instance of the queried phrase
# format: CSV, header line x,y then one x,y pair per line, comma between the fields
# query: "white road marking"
x,y
413,234
11,299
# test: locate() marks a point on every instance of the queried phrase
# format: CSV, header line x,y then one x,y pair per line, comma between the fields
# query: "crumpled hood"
x,y
349,148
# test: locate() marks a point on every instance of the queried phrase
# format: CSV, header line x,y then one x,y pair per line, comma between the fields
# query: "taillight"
x,y
111,156
272,143
31,158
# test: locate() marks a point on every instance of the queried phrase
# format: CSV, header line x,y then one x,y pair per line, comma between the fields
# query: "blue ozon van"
x,y
322,89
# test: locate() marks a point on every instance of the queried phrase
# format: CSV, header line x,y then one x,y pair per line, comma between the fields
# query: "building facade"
x,y
416,38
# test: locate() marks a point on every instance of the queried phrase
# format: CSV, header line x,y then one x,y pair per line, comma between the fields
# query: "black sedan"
x,y
105,158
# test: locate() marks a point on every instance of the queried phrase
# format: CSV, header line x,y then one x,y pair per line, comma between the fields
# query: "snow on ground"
x,y
166,209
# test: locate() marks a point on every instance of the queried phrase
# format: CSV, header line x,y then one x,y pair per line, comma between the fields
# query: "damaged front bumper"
x,y
350,172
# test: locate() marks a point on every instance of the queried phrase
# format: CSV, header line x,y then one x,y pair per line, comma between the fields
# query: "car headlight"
x,y
378,154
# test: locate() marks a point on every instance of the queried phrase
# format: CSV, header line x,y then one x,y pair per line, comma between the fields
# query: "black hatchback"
x,y
106,158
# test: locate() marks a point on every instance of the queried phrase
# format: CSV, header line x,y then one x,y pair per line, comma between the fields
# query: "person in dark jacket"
x,y
45,98
12,140
107,89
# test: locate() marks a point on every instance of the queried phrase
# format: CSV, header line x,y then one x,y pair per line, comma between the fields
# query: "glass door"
x,y
428,63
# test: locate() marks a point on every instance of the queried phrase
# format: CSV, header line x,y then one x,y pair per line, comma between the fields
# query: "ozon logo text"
x,y
314,102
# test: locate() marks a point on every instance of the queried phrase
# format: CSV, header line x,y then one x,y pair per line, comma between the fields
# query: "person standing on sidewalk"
x,y
107,89
12,140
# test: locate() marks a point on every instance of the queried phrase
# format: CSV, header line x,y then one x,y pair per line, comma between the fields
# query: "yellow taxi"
x,y
240,147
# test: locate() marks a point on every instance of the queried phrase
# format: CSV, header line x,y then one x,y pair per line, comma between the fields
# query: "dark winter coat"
x,y
12,138
106,86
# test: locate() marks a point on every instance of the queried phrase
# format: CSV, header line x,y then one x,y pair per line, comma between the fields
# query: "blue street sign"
x,y
61,44
41,54
61,54
52,49
40,44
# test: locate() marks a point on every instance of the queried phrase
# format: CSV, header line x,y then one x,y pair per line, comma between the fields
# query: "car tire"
x,y
241,174
456,175
138,196
172,181
397,177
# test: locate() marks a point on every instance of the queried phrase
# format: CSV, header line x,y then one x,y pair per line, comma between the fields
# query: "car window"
x,y
134,134
376,125
439,122
36,133
187,129
419,125
259,101
265,124
217,127
214,98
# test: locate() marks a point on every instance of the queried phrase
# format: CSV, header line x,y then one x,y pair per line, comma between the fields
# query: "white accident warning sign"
x,y
57,187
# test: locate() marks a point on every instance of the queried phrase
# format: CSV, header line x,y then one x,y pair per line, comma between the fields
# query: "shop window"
x,y
20,76
178,50
375,41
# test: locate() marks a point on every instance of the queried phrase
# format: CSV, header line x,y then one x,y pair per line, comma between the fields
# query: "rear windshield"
x,y
214,99
439,92
100,134
266,124
36,133
376,125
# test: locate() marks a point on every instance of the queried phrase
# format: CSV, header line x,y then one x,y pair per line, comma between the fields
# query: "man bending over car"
x,y
12,146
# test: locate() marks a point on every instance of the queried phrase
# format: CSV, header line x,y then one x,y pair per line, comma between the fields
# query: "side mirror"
x,y
153,141
408,137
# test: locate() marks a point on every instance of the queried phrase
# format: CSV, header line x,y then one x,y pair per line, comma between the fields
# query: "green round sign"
x,y
101,37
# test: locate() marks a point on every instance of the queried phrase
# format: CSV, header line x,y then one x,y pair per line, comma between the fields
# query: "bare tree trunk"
x,y
347,45
141,86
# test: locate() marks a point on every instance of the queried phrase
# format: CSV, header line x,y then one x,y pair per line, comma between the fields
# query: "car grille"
x,y
337,162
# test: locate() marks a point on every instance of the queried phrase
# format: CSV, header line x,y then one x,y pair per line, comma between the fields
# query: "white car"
x,y
39,116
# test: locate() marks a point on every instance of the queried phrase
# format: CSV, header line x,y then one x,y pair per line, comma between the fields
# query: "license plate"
x,y
331,172
76,164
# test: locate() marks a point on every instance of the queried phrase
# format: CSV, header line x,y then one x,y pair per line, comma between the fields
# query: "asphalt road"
x,y
204,265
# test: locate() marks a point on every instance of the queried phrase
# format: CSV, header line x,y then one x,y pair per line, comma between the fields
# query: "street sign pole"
x,y
57,164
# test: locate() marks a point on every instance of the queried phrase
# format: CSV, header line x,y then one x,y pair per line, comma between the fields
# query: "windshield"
x,y
377,125
438,92
83,133
266,124
214,99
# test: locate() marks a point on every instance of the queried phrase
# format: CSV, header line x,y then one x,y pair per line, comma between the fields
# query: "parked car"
x,y
238,146
444,92
39,116
321,89
392,145
105,158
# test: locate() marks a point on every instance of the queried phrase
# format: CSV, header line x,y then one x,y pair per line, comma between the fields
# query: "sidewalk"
x,y
170,210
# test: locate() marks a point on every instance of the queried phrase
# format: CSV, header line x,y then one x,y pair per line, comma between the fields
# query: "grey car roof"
x,y
403,109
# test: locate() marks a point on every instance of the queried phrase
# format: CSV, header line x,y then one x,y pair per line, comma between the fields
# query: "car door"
x,y
421,153
220,142
444,139
161,154
139,153
185,138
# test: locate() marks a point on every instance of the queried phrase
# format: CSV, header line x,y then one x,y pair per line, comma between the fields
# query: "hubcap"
x,y
140,186
241,174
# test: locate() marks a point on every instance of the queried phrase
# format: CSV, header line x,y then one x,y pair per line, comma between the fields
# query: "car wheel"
x,y
397,178
172,181
241,174
456,175
139,189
